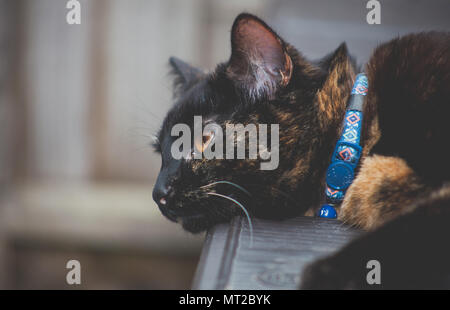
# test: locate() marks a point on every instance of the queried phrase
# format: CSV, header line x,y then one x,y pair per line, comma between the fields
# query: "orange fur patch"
x,y
332,97
382,190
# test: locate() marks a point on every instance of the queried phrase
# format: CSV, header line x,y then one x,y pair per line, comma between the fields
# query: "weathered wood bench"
x,y
274,259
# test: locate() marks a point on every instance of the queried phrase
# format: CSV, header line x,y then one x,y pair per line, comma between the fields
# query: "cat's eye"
x,y
205,142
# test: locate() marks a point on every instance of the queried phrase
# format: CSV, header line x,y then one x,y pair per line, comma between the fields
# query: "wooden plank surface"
x,y
276,257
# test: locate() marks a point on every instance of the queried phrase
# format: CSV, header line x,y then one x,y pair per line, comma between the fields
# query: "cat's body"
x,y
403,171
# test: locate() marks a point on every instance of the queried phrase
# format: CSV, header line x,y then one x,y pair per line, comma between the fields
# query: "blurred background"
x,y
79,105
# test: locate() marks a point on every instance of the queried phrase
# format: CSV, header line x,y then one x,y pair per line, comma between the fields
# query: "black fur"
x,y
408,96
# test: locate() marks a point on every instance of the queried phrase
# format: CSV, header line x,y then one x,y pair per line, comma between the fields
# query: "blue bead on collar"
x,y
347,152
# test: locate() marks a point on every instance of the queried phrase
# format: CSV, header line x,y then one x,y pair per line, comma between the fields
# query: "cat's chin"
x,y
192,222
199,223
195,224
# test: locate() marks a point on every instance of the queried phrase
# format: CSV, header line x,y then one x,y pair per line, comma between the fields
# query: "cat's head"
x,y
266,82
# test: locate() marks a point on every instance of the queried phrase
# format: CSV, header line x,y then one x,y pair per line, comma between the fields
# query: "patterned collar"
x,y
346,155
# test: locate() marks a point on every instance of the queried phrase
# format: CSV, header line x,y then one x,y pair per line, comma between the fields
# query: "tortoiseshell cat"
x,y
404,169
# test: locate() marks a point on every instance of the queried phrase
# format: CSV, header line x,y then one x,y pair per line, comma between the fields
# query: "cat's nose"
x,y
160,194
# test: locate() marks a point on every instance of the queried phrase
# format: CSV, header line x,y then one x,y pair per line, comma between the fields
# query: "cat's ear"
x,y
259,62
185,73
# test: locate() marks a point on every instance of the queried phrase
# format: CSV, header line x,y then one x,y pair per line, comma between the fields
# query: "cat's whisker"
x,y
227,182
250,225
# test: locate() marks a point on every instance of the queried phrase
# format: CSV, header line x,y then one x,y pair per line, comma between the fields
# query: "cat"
x,y
400,195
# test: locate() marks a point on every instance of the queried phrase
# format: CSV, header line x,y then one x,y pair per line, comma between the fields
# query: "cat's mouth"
x,y
178,216
200,209
194,220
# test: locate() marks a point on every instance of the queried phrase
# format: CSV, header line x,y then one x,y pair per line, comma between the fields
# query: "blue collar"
x,y
346,155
